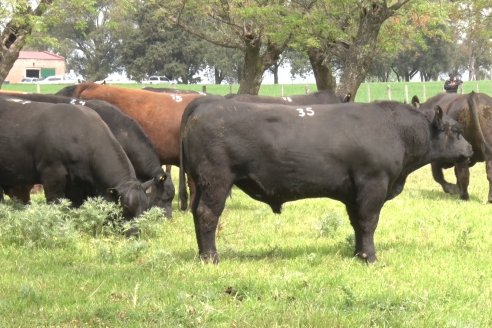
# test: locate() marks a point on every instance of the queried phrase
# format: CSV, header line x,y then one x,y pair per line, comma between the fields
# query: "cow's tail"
x,y
472,104
183,193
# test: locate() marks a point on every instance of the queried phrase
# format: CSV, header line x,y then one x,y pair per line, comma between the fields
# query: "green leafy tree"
x,y
261,30
17,21
155,46
87,34
472,22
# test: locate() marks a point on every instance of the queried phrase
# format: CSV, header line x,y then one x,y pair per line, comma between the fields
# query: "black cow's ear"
x,y
438,114
147,184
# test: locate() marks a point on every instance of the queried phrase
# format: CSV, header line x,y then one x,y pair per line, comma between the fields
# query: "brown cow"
x,y
159,114
474,112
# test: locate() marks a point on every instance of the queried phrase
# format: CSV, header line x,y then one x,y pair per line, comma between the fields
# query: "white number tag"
x,y
308,111
177,98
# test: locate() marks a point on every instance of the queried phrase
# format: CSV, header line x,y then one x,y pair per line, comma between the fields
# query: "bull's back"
x,y
323,143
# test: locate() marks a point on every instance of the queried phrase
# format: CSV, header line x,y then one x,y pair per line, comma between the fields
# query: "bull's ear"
x,y
147,184
112,194
438,114
416,102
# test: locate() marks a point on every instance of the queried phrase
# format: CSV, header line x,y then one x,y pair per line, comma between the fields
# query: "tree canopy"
x,y
342,42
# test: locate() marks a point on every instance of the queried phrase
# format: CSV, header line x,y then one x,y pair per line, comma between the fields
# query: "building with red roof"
x,y
39,64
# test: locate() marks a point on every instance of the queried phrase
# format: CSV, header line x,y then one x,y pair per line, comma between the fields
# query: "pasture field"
x,y
367,91
67,268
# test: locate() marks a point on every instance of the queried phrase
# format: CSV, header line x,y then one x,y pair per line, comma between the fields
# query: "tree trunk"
x,y
274,70
471,68
255,64
218,76
13,37
356,57
322,70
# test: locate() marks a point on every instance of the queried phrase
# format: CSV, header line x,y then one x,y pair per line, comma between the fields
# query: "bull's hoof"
x,y
210,257
465,197
366,257
451,189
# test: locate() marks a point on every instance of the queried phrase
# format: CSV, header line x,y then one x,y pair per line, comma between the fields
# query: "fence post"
x,y
368,93
38,88
230,88
306,89
282,90
204,88
388,88
406,94
478,89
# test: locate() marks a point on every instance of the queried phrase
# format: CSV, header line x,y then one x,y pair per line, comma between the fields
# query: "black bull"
x,y
474,112
359,154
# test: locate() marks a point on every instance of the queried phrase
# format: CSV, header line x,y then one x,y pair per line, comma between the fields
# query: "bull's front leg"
x,y
462,172
364,216
438,176
488,168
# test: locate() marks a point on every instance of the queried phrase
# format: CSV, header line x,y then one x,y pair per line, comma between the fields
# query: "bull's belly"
x,y
276,191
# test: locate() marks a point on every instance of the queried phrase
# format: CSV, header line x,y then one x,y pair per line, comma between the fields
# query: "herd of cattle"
x,y
99,140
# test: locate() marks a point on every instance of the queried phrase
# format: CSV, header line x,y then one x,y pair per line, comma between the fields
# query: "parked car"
x,y
155,79
29,80
116,80
58,79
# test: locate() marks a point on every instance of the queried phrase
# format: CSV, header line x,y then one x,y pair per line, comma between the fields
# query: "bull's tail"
x,y
472,104
183,193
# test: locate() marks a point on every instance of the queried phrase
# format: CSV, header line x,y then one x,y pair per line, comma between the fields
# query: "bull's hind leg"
x,y
364,216
488,168
438,176
206,208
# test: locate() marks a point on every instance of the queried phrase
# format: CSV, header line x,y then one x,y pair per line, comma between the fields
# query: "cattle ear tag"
x,y
163,177
112,192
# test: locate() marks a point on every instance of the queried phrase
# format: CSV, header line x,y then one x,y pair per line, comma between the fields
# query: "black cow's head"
x,y
447,142
132,197
161,193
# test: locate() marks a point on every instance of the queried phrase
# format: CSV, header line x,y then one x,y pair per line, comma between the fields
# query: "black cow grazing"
x,y
359,154
474,112
131,137
319,97
70,151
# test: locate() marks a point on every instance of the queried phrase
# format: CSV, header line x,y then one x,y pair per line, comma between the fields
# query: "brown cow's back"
x,y
159,114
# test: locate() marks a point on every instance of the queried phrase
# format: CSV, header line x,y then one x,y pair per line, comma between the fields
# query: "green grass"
x,y
367,91
66,268
62,267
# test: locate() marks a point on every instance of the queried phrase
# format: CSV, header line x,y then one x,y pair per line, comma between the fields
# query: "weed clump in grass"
x,y
329,225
